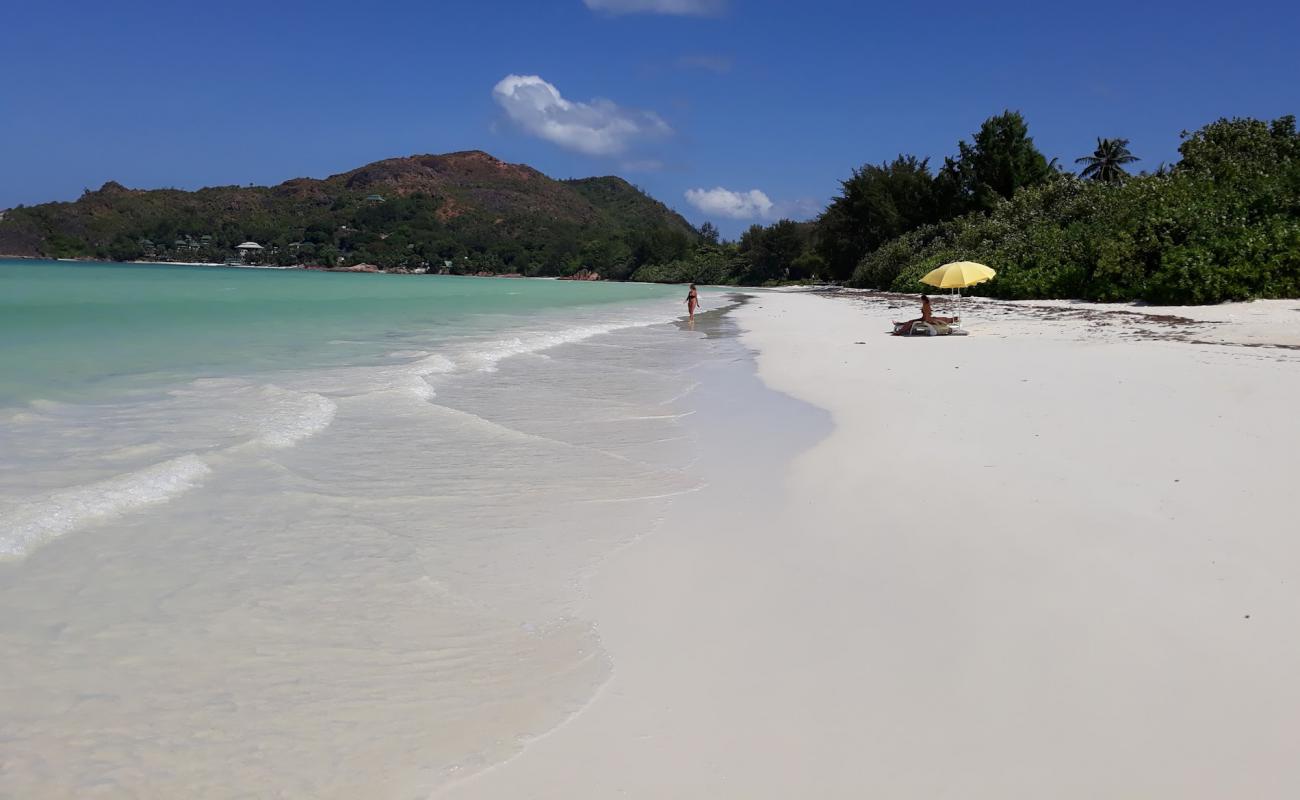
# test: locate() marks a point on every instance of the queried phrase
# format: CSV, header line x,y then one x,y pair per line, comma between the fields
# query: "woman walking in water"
x,y
692,303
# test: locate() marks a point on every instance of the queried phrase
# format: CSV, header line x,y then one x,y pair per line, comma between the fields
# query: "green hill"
x,y
468,208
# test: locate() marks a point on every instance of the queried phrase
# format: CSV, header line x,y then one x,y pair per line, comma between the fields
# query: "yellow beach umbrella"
x,y
958,275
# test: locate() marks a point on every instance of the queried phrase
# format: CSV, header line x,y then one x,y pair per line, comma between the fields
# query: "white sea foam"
x,y
421,388
288,417
536,342
412,376
434,364
32,523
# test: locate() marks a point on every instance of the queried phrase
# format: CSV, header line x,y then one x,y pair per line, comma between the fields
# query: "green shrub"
x,y
1224,224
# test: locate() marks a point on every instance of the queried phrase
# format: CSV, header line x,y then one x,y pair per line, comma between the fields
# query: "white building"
x,y
248,250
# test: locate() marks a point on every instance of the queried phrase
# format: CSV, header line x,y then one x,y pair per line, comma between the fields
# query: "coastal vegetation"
x,y
1222,223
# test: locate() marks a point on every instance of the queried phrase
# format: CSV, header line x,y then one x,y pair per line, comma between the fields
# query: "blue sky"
x,y
770,102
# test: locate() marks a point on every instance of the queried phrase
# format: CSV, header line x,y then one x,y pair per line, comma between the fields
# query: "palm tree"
x,y
1107,162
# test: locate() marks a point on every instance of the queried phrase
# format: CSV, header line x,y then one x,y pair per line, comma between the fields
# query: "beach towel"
x,y
923,328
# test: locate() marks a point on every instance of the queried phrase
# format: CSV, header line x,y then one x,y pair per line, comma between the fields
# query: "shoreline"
x,y
1167,314
928,602
352,578
328,270
613,589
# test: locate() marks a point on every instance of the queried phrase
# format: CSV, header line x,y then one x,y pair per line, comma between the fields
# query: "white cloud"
x,y
597,128
731,204
693,8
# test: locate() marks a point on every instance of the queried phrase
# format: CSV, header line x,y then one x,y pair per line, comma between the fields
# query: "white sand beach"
x,y
1055,558
592,552
626,487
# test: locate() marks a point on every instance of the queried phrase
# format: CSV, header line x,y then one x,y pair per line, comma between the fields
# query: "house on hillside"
x,y
374,198
249,251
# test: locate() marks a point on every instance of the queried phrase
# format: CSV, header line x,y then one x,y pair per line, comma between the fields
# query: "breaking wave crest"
x,y
223,414
288,417
30,524
537,342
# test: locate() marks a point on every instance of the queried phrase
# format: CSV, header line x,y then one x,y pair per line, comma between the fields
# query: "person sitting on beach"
x,y
927,315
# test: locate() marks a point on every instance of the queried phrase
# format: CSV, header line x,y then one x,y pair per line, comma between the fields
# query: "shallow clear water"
x,y
73,330
296,534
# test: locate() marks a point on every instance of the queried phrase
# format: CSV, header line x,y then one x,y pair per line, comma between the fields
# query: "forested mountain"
x,y
470,209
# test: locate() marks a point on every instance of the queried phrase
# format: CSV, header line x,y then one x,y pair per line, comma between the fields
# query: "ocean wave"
x,y
435,364
421,388
287,417
498,351
33,523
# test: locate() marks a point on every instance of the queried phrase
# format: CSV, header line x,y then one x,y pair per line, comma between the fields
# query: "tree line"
x,y
1223,223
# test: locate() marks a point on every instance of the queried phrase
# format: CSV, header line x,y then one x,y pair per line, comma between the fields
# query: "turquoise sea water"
x,y
293,534
78,330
